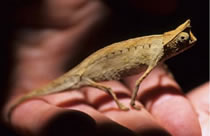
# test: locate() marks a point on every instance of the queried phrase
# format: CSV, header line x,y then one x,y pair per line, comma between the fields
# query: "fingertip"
x,y
200,100
176,114
27,114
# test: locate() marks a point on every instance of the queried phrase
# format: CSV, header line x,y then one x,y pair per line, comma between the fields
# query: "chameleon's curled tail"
x,y
59,85
16,103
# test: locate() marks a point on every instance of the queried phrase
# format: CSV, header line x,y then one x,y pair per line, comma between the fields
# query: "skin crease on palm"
x,y
43,53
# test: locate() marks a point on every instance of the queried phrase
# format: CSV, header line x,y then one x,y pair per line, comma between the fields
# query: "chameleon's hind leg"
x,y
138,82
108,90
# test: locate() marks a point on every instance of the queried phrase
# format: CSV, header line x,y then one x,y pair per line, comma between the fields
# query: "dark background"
x,y
132,18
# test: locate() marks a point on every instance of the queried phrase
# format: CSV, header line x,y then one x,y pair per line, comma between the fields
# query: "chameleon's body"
x,y
118,60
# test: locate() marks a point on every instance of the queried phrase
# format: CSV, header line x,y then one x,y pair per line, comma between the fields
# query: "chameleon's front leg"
x,y
138,82
108,90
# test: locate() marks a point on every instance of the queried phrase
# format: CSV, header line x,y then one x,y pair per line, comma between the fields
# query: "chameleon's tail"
x,y
16,103
59,85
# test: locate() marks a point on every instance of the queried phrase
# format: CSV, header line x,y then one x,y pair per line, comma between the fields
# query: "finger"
x,y
67,13
162,98
74,118
42,52
200,100
50,46
140,122
98,98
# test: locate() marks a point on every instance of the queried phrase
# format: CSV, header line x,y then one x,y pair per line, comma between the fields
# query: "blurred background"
x,y
129,19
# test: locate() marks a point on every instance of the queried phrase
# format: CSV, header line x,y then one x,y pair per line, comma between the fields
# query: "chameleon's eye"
x,y
183,36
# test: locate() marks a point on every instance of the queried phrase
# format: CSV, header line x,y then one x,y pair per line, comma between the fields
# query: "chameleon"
x,y
113,62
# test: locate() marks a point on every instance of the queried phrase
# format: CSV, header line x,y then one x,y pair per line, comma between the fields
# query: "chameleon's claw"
x,y
136,107
133,105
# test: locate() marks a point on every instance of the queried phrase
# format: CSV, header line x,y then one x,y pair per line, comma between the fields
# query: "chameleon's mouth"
x,y
193,39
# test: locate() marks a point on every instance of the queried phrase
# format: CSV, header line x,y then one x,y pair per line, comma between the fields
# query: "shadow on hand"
x,y
77,123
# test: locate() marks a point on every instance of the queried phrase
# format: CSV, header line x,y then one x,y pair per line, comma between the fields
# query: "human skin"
x,y
41,56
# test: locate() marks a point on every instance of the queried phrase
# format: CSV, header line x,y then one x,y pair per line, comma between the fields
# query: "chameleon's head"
x,y
178,40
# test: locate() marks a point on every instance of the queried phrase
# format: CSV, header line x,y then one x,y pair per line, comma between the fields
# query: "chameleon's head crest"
x,y
178,40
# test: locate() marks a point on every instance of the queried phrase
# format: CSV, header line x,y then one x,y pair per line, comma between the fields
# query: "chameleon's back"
x,y
120,59
128,57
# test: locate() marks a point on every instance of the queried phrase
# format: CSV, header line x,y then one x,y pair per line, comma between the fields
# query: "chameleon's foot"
x,y
136,107
133,105
123,107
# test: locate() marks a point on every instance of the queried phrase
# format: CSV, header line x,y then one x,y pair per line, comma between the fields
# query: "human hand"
x,y
199,97
41,56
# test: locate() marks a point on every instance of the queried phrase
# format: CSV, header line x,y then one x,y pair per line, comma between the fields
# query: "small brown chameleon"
x,y
118,60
